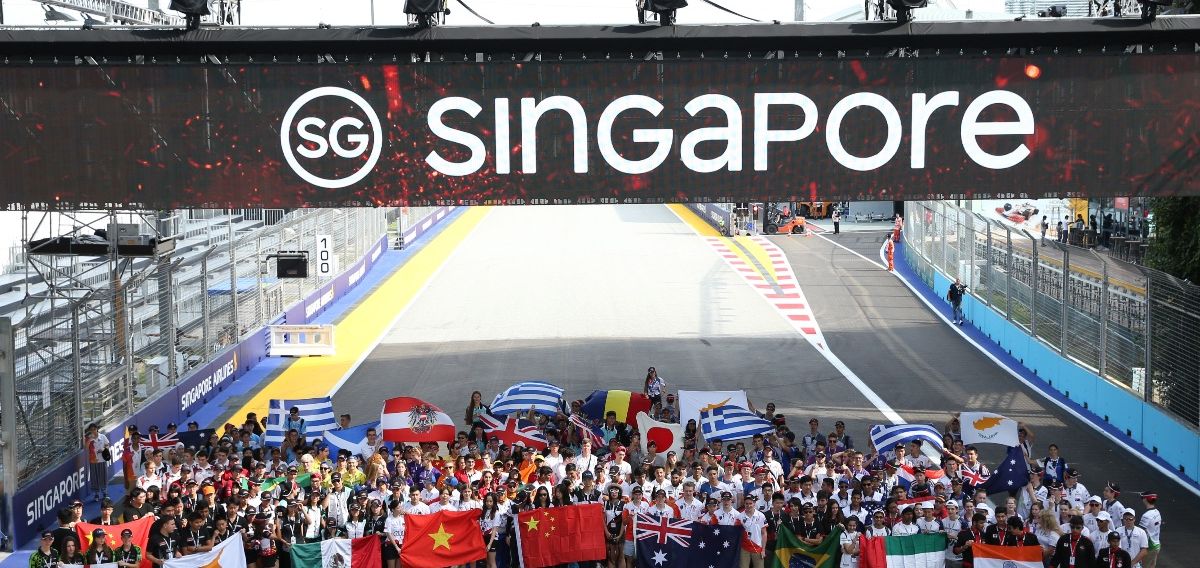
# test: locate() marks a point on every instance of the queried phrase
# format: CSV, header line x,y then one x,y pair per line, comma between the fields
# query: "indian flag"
x,y
915,551
992,556
338,553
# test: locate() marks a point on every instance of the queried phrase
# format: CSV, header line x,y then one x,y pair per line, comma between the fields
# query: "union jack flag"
x,y
970,477
586,430
514,431
662,529
157,442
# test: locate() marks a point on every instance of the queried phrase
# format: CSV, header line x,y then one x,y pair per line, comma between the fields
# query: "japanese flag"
x,y
666,437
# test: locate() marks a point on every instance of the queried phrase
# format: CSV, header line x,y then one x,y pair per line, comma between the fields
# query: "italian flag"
x,y
992,556
915,551
338,553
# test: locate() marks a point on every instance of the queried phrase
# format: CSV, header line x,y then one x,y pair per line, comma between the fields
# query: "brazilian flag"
x,y
791,553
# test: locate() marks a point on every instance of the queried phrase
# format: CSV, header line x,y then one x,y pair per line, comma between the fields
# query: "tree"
x,y
1176,246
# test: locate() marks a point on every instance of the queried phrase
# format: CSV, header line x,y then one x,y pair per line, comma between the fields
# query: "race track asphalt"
x,y
589,296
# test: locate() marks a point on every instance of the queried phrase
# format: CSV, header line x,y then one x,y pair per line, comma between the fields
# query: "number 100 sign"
x,y
326,261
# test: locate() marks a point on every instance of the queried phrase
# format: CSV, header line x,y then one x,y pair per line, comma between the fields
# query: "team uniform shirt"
x,y
728,518
1077,495
929,526
848,561
419,509
1115,509
630,511
874,531
902,529
754,521
665,511
1133,540
690,510
1151,522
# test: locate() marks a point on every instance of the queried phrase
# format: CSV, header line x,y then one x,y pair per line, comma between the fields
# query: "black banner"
x,y
600,131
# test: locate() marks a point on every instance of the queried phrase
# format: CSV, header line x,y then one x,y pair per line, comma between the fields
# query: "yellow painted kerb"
x,y
698,224
362,328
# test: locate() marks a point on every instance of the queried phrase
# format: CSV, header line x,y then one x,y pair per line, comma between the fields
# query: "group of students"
x,y
811,482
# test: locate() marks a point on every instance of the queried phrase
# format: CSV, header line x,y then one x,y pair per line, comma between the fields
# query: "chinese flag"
x,y
112,533
445,538
559,535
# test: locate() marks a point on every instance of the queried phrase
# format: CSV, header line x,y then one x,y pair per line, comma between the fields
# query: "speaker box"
x,y
191,7
291,267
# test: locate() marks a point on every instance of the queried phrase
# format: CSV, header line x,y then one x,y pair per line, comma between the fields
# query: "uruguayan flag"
x,y
545,398
729,422
885,437
317,414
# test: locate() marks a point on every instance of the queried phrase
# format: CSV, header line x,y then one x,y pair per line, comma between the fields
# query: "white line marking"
x,y
854,252
818,343
1167,472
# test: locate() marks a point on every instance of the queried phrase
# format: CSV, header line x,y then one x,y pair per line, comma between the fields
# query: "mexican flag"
x,y
992,556
914,551
339,552
303,480
787,547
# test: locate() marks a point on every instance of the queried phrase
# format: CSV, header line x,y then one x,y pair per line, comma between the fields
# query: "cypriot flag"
x,y
987,428
228,554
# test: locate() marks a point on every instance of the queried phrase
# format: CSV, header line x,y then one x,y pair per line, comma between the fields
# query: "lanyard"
x,y
1074,543
1129,539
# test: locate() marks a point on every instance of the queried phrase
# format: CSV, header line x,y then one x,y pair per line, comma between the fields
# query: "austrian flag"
x,y
407,419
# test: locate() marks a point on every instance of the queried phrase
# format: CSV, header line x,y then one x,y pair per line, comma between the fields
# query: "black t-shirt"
x,y
61,534
965,536
162,546
190,538
131,513
587,497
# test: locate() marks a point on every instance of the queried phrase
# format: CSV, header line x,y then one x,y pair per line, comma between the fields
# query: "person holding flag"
x,y
99,552
129,555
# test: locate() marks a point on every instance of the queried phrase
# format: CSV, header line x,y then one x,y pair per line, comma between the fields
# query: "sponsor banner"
x,y
840,128
419,228
720,216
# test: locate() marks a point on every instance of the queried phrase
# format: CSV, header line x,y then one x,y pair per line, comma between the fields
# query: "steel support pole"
x,y
1008,275
1066,297
233,284
1103,313
205,315
990,274
1147,392
1033,286
8,423
77,370
942,235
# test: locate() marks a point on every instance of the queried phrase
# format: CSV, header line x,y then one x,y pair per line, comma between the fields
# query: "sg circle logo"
x,y
312,129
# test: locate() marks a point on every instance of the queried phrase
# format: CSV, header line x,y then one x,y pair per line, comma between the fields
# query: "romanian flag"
x,y
823,555
626,404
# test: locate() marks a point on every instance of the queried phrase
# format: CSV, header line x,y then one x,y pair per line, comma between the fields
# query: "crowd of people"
x,y
810,480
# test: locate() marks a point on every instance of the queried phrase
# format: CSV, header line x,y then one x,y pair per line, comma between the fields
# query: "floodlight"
x,y
425,13
904,8
664,9
53,15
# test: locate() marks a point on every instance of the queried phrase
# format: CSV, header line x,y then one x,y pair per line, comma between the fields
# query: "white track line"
x,y
1165,471
825,352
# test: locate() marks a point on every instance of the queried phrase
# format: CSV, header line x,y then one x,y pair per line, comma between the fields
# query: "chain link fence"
x,y
101,336
1136,327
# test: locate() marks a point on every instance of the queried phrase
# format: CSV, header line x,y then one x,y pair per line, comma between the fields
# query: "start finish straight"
x,y
532,111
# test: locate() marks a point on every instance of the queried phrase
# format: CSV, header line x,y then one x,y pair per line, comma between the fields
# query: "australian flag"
x,y
1011,475
667,543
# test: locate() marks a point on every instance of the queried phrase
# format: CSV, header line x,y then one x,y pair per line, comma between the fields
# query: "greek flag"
x,y
545,398
317,414
885,437
729,422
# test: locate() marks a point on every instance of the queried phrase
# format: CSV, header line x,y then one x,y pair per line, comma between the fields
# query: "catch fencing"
x,y
1136,327
105,339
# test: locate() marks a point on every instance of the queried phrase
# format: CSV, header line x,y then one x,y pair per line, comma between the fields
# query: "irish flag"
x,y
338,552
915,551
992,556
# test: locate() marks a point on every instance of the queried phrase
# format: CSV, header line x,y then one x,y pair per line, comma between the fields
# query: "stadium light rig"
x,y
425,13
664,10
904,8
